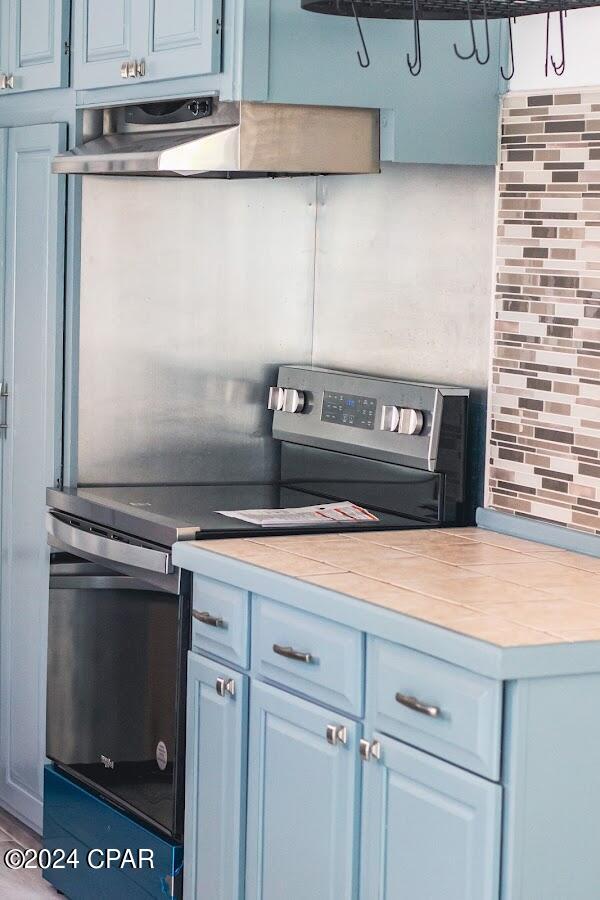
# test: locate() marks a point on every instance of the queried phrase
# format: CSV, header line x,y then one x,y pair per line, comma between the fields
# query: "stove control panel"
x,y
381,418
351,410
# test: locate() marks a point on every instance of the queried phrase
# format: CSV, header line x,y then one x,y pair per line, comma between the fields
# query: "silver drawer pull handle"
x,y
4,396
207,619
225,686
417,706
290,653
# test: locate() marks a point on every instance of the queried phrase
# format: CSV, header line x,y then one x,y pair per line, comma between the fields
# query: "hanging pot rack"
x,y
454,10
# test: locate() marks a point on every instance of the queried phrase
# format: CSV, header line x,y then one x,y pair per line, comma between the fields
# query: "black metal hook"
x,y
363,64
560,68
512,52
415,65
475,51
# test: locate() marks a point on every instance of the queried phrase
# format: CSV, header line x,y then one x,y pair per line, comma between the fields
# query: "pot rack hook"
x,y
511,52
560,68
364,64
473,39
415,65
482,60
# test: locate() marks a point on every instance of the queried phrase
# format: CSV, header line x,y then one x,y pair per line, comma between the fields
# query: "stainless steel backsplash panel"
x,y
404,270
192,294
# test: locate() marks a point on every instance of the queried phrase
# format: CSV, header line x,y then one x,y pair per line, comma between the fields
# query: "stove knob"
x,y
293,400
404,421
390,418
411,421
275,398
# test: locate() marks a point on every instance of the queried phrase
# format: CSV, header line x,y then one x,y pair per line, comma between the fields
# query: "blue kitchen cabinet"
x,y
215,803
124,42
429,829
31,414
184,38
303,798
34,45
107,35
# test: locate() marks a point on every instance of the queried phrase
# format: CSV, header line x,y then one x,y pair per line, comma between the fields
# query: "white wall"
x,y
582,40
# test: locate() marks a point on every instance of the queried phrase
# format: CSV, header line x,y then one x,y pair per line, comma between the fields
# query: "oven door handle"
x,y
104,548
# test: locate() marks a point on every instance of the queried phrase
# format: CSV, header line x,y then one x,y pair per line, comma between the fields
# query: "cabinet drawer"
x,y
444,709
311,655
220,620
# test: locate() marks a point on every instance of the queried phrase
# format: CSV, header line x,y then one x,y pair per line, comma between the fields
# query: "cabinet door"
x,y
215,781
33,302
185,38
302,800
429,830
108,33
38,57
4,43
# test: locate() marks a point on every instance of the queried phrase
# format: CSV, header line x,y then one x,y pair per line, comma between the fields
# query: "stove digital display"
x,y
349,409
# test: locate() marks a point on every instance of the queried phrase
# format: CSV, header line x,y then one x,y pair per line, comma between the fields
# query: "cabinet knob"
x,y
140,68
125,70
369,749
337,734
6,81
225,686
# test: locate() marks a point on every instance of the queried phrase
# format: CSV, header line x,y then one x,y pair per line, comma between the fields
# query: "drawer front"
x,y
313,656
220,620
436,706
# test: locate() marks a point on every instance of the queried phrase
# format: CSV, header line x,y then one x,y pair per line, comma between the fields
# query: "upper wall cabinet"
x,y
34,51
120,41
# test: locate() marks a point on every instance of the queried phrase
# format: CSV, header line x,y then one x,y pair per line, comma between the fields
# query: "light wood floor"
x,y
25,884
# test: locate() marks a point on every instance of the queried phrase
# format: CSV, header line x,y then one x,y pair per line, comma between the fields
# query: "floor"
x,y
23,884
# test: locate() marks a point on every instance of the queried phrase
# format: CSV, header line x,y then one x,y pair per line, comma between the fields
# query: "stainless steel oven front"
x,y
118,633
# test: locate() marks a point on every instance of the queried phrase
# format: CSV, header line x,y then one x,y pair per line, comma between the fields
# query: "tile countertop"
x,y
505,591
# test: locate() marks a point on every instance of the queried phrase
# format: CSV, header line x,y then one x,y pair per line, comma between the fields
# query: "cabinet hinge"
x,y
67,48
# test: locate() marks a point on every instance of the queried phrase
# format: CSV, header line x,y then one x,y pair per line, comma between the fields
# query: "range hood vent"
x,y
202,137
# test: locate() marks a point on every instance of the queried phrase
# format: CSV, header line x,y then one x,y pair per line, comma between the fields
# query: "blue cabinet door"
x,y
4,42
429,829
33,304
185,38
215,781
302,800
38,32
108,33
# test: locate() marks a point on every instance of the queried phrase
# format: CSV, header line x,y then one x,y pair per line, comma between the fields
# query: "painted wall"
x,y
582,31
544,451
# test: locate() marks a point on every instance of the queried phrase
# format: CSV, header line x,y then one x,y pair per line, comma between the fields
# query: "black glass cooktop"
x,y
164,514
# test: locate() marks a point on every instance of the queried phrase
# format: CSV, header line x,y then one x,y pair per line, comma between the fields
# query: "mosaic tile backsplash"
x,y
544,451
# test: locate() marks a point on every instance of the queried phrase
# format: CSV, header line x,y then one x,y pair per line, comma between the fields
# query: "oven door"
x,y
116,683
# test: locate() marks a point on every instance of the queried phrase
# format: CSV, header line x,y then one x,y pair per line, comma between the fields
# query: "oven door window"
x,y
113,650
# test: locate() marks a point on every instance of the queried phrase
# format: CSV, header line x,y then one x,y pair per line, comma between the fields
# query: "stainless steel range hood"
x,y
204,137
